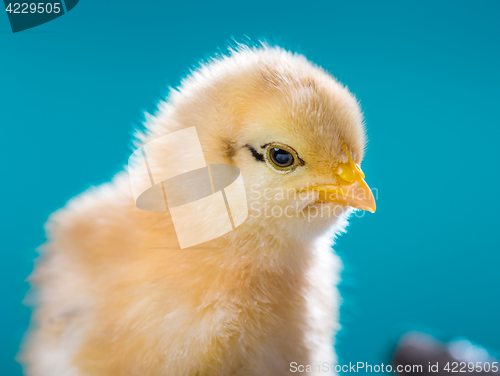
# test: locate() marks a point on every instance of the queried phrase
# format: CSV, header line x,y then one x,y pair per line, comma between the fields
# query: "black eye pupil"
x,y
281,157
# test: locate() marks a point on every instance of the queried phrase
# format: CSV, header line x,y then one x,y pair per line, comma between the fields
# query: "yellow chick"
x,y
117,295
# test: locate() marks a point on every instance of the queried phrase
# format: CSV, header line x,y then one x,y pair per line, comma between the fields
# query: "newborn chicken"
x,y
118,296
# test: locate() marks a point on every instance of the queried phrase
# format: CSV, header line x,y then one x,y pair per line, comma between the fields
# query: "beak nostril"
x,y
349,170
346,173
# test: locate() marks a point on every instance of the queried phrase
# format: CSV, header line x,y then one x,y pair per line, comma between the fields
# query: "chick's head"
x,y
293,130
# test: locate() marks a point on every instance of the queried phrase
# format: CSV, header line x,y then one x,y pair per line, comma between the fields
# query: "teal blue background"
x,y
426,73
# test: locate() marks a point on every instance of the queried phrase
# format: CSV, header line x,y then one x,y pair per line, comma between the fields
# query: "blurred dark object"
x,y
421,354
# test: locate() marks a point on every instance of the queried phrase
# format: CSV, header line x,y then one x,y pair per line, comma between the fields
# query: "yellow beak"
x,y
351,189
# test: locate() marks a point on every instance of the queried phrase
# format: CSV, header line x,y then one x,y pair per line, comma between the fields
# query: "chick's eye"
x,y
280,157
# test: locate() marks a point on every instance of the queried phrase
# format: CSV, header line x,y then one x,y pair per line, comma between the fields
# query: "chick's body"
x,y
117,295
